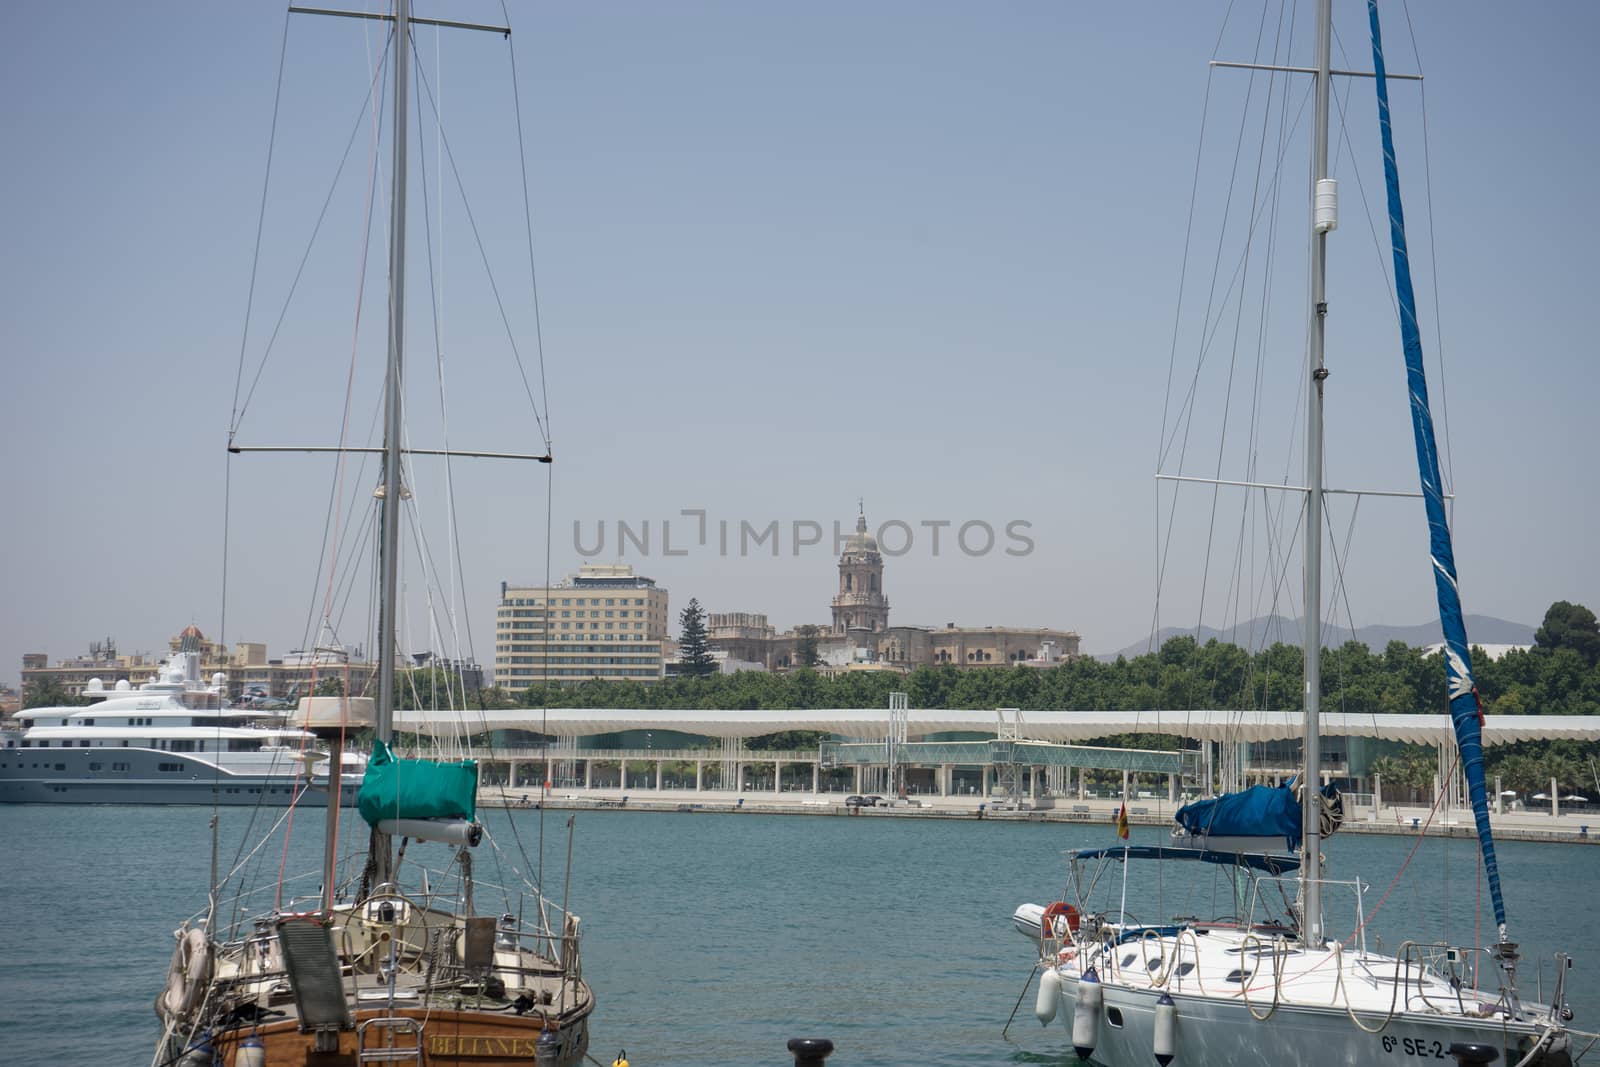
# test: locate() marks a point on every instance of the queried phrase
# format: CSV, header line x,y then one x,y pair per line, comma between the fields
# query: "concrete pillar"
x,y
945,770
1083,783
511,774
738,776
1127,776
659,766
699,775
777,776
816,777
1377,792
1555,800
1033,783
1172,789
588,774
858,778
1499,801
988,771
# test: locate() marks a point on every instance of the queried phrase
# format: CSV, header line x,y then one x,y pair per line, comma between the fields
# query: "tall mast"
x,y
389,509
1311,810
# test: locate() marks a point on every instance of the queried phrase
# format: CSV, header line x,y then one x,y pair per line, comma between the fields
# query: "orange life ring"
x,y
1059,909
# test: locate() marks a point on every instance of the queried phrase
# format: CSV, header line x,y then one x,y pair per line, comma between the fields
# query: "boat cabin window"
x,y
1184,968
1238,976
1114,1017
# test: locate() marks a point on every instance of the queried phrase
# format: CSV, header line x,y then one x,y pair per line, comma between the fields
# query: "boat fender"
x,y
1166,1030
1044,1008
1086,1014
187,973
252,1053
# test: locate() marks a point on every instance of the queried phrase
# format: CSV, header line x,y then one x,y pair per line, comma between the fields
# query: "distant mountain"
x,y
1267,629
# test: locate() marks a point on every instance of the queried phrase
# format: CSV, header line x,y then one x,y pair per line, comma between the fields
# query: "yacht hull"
x,y
79,791
447,1039
1213,1030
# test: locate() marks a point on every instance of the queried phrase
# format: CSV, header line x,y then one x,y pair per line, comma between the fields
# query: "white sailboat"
x,y
1268,980
388,962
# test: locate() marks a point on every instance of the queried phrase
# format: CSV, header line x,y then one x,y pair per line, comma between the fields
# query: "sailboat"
x,y
393,965
1267,981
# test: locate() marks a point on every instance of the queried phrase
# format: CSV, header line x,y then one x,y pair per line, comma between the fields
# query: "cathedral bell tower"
x,y
860,604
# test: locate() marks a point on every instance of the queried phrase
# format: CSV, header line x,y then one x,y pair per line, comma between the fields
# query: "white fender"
x,y
252,1053
1165,1044
1044,1008
1086,1014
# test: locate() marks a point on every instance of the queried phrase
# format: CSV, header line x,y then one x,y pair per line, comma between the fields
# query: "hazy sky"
x,y
789,256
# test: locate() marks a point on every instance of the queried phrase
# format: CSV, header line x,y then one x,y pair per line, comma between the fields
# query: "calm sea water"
x,y
710,939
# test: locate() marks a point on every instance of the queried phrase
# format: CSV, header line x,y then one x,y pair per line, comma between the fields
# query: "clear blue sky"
x,y
789,255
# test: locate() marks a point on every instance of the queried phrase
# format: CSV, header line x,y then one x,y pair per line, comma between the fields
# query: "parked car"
x,y
857,802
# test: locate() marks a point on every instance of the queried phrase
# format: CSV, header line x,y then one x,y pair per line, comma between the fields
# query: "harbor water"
x,y
713,938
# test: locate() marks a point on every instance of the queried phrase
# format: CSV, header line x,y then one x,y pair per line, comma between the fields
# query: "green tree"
x,y
330,687
805,649
1568,625
48,693
693,651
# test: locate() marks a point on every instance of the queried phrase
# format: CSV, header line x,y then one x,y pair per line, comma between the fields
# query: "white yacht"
x,y
173,740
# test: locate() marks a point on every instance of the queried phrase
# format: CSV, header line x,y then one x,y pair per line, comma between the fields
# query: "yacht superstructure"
x,y
173,740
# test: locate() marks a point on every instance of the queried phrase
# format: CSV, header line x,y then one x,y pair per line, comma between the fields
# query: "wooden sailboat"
x,y
394,967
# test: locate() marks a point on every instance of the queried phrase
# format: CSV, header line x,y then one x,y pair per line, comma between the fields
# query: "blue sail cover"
x,y
1465,711
1260,811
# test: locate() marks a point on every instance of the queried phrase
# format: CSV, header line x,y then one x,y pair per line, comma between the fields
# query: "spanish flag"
x,y
1122,821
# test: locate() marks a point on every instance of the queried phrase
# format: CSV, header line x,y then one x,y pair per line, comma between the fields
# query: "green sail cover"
x,y
417,788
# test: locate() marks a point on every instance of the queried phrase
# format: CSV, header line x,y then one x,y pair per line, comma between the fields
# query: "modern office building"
x,y
603,622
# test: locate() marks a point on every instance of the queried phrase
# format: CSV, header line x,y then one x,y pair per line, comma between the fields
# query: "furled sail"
x,y
394,788
1260,811
1466,713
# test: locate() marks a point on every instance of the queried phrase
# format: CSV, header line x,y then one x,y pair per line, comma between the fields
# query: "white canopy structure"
x,y
1056,726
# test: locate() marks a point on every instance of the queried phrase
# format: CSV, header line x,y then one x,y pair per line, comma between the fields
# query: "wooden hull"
x,y
448,1039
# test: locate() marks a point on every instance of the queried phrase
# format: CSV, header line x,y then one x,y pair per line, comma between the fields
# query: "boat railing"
x,y
1288,887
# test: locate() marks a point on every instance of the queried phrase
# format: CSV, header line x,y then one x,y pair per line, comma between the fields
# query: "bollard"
x,y
1467,1052
810,1051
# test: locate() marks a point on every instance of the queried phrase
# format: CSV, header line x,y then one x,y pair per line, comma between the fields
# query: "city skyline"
x,y
923,254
